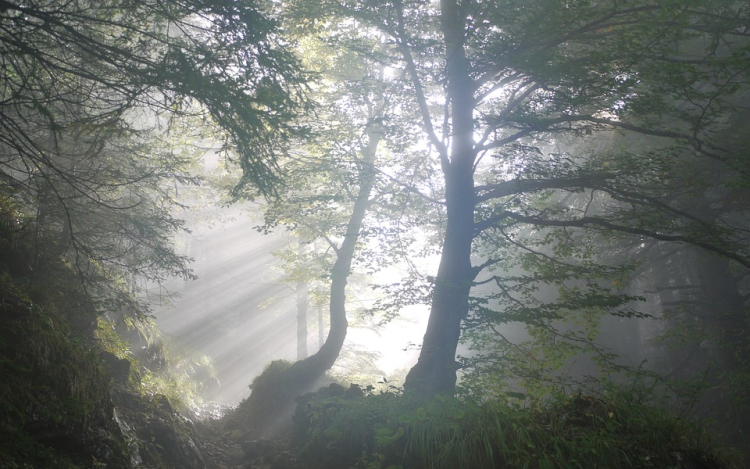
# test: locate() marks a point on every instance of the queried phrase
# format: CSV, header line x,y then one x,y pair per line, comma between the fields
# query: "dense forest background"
x,y
548,199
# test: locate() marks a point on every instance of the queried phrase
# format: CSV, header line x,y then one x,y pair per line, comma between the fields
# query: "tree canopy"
x,y
102,109
555,124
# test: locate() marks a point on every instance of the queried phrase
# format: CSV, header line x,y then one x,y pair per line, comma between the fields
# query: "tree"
x,y
700,298
331,181
499,84
300,291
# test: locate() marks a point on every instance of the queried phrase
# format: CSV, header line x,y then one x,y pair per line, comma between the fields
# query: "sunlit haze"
x,y
241,314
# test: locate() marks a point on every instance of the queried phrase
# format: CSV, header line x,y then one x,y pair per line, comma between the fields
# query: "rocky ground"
x,y
226,448
221,453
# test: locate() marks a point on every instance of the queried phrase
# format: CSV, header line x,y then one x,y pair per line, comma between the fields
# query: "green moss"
x,y
270,392
64,352
267,412
272,375
41,356
53,390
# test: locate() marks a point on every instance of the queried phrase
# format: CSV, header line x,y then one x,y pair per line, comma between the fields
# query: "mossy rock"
x,y
54,392
268,411
162,435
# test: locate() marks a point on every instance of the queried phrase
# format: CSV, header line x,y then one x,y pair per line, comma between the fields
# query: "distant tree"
x,y
702,336
301,292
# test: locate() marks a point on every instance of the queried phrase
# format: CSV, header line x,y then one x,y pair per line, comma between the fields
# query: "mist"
x,y
374,234
241,310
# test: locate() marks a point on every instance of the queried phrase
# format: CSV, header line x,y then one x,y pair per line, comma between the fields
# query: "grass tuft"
x,y
392,430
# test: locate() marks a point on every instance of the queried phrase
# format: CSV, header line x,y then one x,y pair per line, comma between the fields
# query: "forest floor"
x,y
222,450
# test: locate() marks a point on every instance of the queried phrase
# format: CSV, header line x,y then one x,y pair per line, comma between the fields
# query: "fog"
x,y
242,314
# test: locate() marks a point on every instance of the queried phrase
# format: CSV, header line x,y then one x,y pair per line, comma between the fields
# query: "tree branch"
x,y
517,186
601,222
411,67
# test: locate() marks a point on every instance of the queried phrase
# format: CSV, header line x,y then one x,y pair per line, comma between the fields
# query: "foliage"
x,y
268,410
553,283
61,388
159,366
157,432
54,394
390,430
107,106
704,330
86,66
271,384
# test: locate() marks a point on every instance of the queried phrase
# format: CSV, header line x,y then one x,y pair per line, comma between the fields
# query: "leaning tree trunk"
x,y
435,371
267,411
317,364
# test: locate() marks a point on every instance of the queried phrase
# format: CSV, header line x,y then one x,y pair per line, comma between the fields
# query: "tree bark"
x,y
435,371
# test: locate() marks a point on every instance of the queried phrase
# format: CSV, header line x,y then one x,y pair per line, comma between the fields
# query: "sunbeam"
x,y
242,316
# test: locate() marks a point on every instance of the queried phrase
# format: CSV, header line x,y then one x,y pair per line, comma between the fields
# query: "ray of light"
x,y
242,316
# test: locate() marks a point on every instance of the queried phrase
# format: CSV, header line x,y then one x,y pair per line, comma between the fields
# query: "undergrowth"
x,y
267,412
158,367
65,367
393,431
52,385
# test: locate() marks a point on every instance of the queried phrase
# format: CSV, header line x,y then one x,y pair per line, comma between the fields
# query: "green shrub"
x,y
391,430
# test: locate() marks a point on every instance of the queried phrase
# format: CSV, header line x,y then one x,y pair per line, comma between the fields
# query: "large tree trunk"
x,y
435,372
